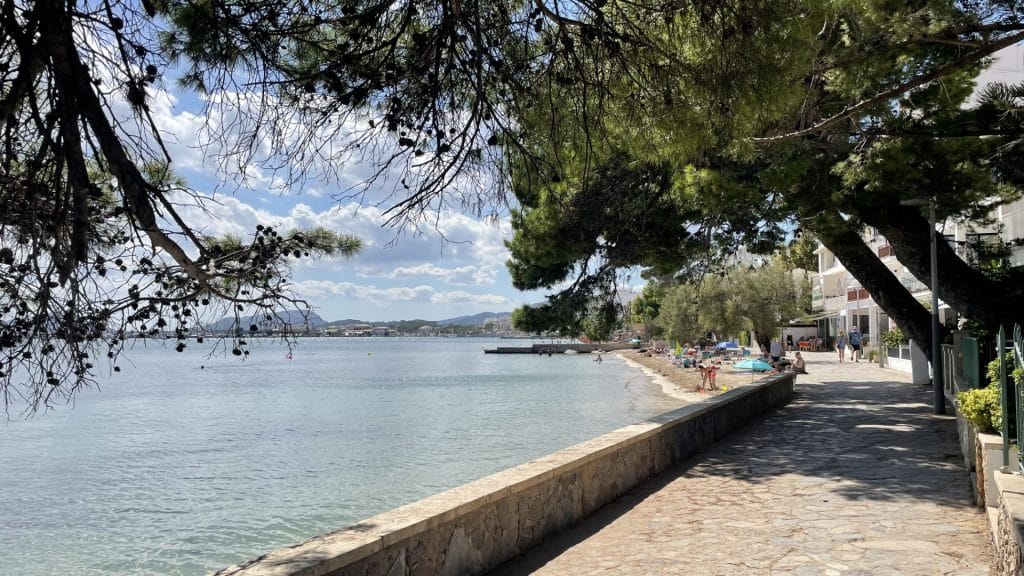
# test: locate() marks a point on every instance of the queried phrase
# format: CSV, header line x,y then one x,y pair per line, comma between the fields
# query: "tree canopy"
x,y
667,132
872,114
760,300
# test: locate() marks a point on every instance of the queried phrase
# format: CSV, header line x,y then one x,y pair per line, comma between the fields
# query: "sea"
x,y
185,463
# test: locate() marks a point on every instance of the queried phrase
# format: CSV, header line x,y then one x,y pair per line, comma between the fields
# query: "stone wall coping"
x,y
326,553
990,440
1011,494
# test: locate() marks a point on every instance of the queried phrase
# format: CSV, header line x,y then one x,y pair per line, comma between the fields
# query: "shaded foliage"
x,y
872,115
760,300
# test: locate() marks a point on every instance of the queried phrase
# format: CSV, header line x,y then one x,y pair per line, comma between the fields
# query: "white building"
x,y
839,302
838,299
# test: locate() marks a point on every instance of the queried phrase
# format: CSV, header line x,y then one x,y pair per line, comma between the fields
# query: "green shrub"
x,y
872,355
981,407
894,338
992,370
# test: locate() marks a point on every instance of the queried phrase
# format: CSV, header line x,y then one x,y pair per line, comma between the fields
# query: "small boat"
x,y
571,351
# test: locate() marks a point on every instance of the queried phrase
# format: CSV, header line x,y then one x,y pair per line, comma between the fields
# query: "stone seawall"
x,y
475,527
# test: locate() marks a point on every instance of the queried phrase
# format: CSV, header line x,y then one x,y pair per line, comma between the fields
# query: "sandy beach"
x,y
683,383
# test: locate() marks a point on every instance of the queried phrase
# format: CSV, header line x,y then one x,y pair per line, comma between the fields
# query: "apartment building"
x,y
839,302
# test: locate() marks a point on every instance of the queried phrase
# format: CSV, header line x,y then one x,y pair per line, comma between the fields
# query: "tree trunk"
x,y
847,245
763,340
961,286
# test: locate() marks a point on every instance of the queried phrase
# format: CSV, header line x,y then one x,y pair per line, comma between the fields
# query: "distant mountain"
x,y
282,317
315,321
347,322
474,320
400,325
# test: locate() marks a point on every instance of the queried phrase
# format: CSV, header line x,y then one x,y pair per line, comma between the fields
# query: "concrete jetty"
x,y
561,348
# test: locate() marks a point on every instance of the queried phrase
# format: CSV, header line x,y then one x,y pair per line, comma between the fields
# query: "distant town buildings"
x,y
499,326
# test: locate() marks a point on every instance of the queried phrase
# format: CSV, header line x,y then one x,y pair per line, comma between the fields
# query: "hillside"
x,y
474,320
282,317
315,321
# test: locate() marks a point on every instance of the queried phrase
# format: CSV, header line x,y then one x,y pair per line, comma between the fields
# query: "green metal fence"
x,y
969,358
1011,397
960,365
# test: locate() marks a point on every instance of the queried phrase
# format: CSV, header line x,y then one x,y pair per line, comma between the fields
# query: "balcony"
x,y
912,284
855,294
834,303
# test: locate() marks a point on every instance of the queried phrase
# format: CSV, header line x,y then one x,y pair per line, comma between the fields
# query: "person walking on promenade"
x,y
841,341
855,339
776,350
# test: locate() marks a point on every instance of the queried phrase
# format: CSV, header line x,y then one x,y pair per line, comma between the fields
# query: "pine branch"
x,y
940,72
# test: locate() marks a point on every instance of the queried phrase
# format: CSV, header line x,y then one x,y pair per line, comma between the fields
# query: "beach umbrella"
x,y
752,365
679,349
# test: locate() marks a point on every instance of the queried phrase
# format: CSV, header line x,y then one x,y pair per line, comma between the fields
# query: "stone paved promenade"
x,y
855,476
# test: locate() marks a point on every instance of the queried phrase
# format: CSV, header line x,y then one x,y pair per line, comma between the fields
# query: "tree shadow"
x,y
879,438
879,441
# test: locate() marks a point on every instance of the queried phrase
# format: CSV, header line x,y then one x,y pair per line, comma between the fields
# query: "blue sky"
x,y
454,266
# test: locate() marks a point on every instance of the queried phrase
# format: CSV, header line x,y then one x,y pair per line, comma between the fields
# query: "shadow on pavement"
x,y
877,440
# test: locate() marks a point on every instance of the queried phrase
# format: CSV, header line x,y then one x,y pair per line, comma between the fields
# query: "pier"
x,y
561,348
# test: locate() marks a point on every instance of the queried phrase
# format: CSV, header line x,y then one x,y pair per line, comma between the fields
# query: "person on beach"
x,y
841,341
855,338
799,366
776,350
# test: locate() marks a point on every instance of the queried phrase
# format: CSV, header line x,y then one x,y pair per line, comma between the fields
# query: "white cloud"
x,y
323,289
459,297
472,250
443,249
461,276
379,296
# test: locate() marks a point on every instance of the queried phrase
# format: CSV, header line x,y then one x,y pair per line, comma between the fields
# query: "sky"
x,y
454,266
1007,67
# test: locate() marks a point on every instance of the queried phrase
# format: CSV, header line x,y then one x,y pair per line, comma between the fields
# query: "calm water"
x,y
185,463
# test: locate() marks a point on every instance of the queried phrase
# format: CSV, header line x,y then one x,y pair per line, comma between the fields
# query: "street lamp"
x,y
939,396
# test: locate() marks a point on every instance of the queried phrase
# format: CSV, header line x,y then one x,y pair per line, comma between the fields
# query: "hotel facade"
x,y
839,302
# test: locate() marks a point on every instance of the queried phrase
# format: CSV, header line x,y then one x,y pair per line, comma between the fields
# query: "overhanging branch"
x,y
939,72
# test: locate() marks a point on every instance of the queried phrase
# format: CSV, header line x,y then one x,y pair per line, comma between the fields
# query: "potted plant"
x,y
893,338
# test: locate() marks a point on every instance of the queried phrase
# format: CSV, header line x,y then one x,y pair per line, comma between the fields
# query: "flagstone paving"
x,y
855,477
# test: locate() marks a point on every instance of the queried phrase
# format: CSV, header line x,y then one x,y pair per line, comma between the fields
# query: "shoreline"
x,y
681,383
668,386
